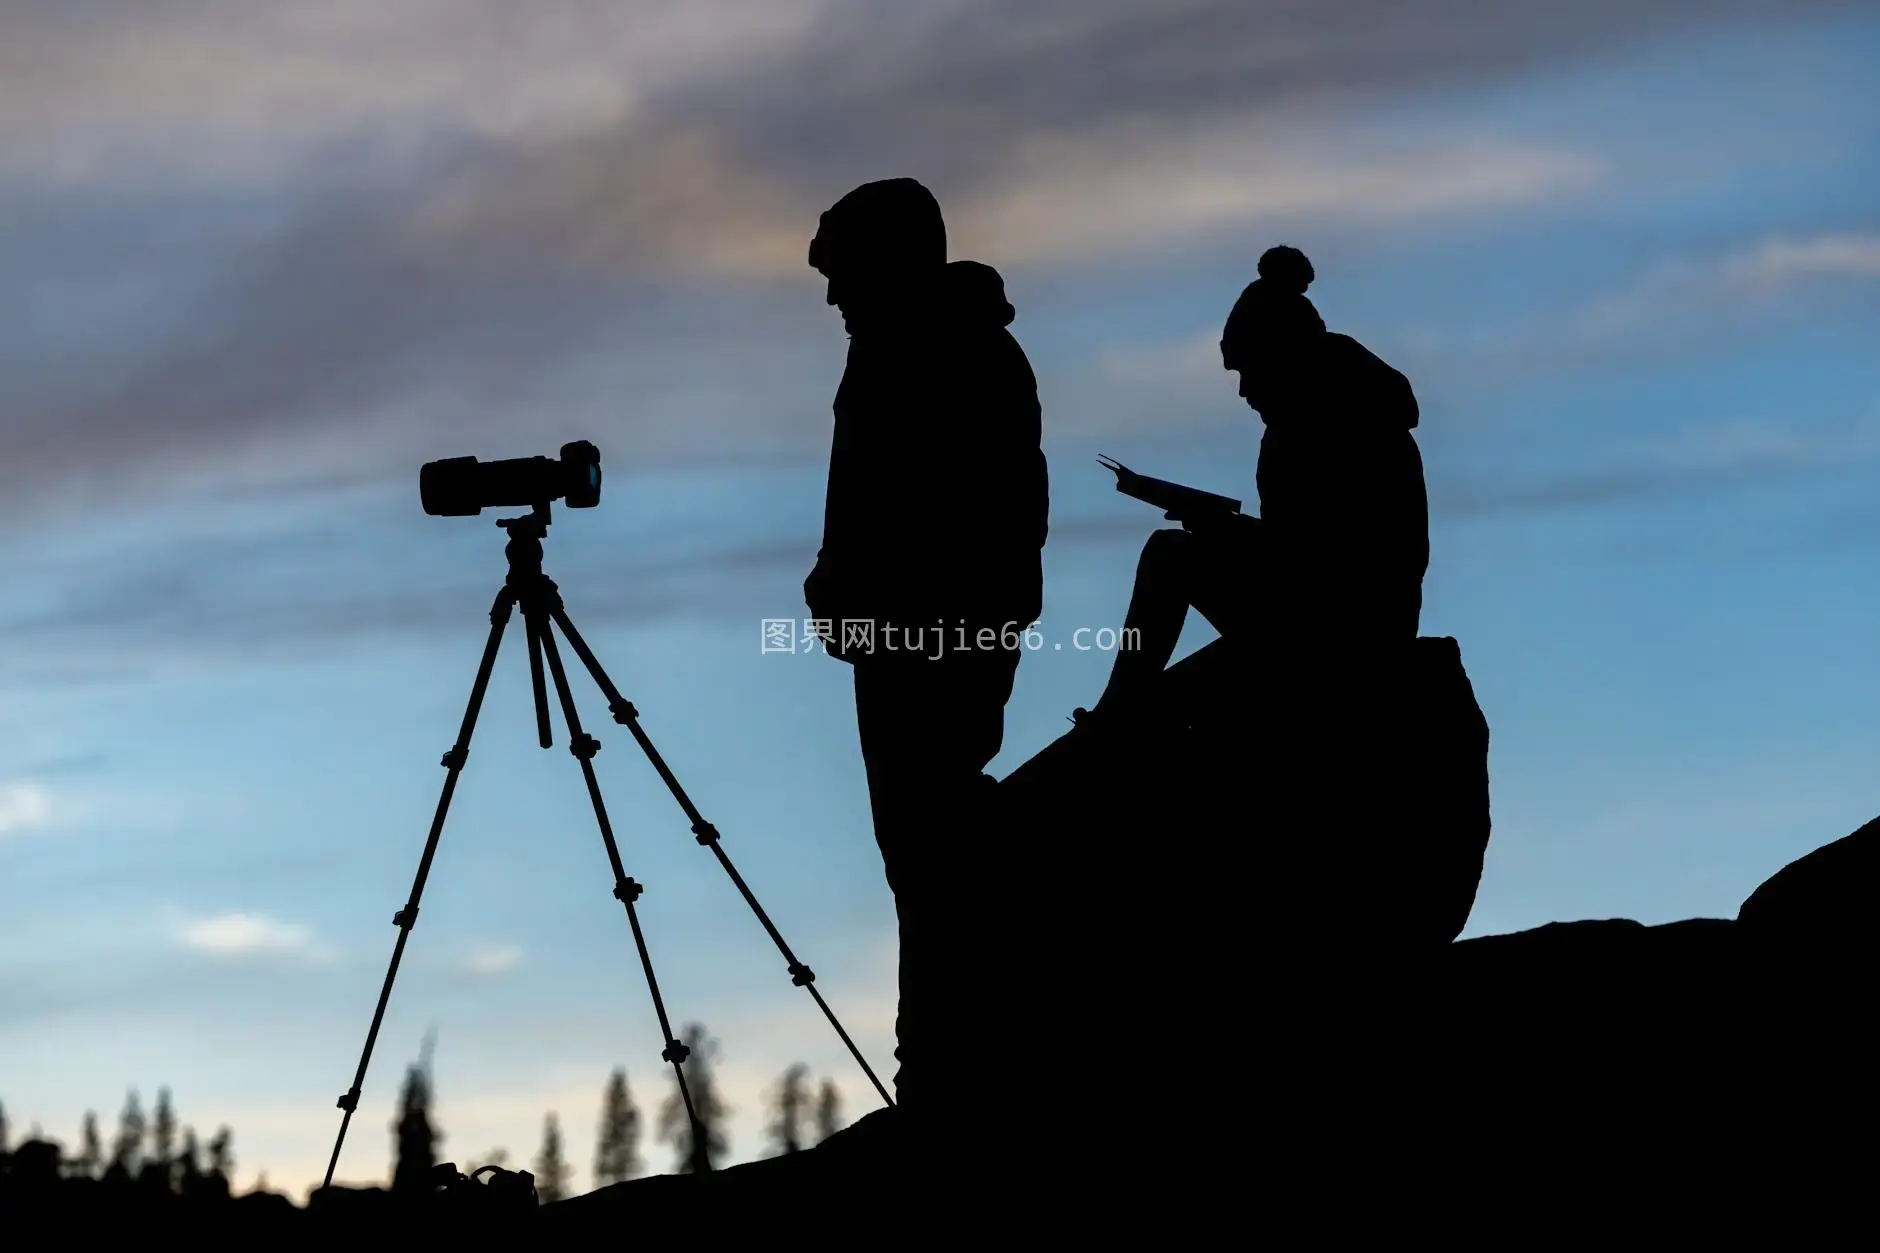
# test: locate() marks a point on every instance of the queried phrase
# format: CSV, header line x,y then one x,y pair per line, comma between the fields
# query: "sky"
x,y
259,263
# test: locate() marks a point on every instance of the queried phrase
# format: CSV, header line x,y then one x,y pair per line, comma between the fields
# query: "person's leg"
x,y
1158,606
928,728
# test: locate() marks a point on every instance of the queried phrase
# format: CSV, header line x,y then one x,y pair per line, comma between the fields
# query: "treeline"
x,y
158,1154
152,1152
802,1113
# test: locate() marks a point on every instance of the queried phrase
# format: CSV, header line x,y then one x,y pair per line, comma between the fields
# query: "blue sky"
x,y
261,266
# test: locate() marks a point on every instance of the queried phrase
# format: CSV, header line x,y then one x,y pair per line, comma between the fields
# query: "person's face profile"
x,y
1248,373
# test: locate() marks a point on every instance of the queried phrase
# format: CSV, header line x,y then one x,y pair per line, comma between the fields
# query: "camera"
x,y
507,1191
462,487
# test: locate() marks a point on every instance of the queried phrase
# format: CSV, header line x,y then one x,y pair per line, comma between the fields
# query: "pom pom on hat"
x,y
1287,269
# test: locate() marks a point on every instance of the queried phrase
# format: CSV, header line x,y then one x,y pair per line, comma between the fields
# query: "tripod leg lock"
x,y
802,976
349,1101
456,757
705,833
584,747
628,891
676,1053
406,917
623,711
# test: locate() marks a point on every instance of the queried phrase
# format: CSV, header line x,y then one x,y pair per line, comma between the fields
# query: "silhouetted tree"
x,y
128,1152
3,1127
696,1155
789,1104
221,1154
551,1169
618,1156
416,1140
90,1149
188,1172
163,1130
828,1111
494,1157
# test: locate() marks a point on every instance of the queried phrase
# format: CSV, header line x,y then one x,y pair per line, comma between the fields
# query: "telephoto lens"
x,y
461,487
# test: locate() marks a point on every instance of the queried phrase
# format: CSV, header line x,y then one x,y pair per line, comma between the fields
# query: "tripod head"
x,y
526,534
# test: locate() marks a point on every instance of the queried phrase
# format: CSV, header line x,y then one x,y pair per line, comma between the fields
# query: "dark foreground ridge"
x,y
1225,931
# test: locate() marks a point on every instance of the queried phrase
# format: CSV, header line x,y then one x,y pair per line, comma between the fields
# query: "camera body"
x,y
462,487
507,1192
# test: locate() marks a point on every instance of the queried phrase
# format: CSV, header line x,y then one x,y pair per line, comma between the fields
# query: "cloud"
x,y
280,243
1677,304
24,805
492,961
1717,455
1183,362
223,88
1730,285
692,202
247,935
820,85
300,587
230,586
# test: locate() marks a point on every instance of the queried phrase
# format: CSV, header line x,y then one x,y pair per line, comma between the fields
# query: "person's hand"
x,y
1212,525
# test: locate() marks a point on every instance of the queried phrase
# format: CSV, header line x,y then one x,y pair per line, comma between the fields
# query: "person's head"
x,y
879,246
1272,328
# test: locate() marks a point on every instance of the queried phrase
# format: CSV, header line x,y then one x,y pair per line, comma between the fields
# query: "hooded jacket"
x,y
1342,496
938,497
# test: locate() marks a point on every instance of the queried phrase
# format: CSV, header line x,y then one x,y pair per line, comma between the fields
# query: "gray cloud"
x,y
303,589
318,244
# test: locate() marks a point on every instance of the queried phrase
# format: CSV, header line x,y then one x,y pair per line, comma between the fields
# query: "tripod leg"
x,y
706,834
405,918
626,890
537,627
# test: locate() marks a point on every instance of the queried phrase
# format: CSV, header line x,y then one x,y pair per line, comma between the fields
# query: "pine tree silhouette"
x,y
222,1155
828,1111
90,1157
551,1169
128,1152
498,1157
701,1154
415,1139
617,1158
163,1131
789,1103
188,1170
4,1144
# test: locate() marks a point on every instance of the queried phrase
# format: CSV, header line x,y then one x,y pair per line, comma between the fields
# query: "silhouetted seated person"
x,y
1334,563
932,537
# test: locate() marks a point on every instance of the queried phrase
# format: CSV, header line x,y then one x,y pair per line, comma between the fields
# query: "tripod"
x,y
535,593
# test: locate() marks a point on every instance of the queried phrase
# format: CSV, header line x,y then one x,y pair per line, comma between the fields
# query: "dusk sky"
x,y
258,263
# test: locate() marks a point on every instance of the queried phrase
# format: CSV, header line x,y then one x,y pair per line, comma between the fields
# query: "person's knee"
x,y
1167,547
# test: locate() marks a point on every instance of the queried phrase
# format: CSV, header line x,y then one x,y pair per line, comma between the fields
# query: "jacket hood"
x,y
1371,385
975,292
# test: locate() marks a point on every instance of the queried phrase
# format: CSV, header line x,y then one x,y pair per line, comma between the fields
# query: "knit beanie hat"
x,y
1273,308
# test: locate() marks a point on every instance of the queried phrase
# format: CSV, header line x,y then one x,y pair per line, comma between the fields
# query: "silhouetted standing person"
x,y
1334,564
933,534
